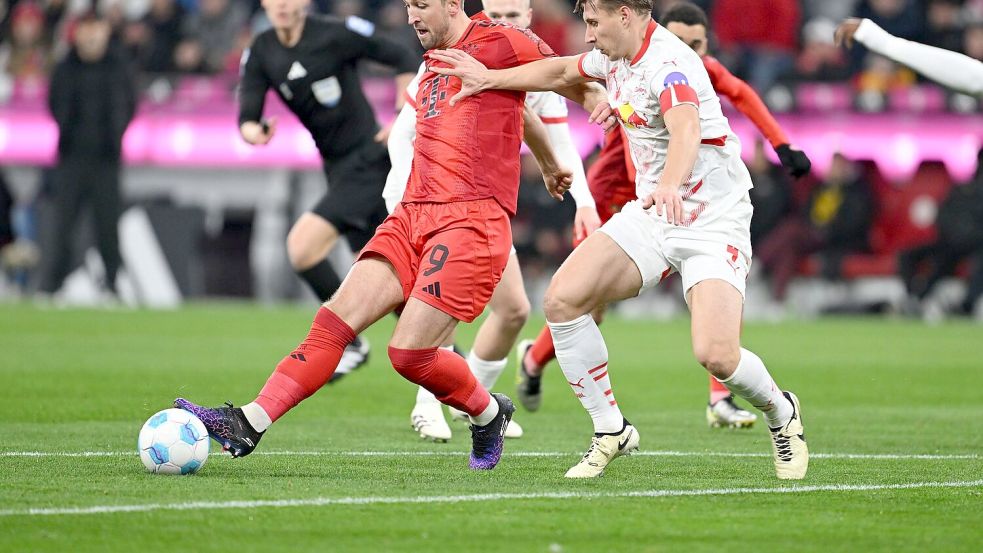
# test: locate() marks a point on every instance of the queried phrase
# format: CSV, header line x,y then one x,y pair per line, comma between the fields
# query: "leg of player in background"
x,y
722,412
508,312
371,291
596,273
308,243
716,307
532,357
415,353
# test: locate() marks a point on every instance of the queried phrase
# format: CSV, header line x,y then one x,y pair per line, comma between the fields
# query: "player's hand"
x,y
844,33
667,201
604,116
585,222
258,133
473,74
558,181
382,137
794,160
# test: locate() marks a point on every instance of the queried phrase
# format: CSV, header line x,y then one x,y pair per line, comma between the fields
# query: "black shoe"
x,y
528,387
226,425
355,355
487,441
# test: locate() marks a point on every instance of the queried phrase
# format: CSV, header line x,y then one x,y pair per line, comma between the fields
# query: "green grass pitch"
x,y
892,413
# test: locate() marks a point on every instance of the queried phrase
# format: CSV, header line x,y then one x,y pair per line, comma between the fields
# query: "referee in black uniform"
x,y
311,62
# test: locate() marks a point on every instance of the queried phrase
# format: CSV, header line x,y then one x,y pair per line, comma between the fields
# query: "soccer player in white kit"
x,y
692,215
509,306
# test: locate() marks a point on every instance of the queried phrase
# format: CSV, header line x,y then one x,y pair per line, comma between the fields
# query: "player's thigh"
x,y
509,299
716,308
310,239
370,291
422,325
597,272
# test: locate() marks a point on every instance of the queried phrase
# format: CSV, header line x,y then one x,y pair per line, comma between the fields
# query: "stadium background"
x,y
220,209
890,403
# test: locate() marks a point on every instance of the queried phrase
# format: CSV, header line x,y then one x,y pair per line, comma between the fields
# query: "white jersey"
x,y
549,106
666,73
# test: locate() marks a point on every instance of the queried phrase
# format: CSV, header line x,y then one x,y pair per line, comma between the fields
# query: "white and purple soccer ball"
x,y
173,441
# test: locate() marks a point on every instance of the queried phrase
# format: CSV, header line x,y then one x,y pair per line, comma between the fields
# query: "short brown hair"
x,y
640,7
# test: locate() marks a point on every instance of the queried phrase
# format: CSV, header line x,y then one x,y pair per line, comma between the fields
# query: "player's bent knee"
x,y
559,308
413,364
516,315
306,248
720,358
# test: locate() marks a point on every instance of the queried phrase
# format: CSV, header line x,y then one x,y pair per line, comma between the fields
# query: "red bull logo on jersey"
x,y
631,117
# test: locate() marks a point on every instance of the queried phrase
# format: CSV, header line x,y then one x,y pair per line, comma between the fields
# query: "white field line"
x,y
869,456
382,500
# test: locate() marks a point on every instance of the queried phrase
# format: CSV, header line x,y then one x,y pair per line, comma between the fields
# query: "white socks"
x,y
752,382
487,372
583,357
487,415
256,416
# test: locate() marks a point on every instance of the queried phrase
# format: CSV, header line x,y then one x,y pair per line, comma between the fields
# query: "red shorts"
x,y
448,255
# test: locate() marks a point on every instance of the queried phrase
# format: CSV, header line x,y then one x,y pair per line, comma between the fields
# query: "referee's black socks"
x,y
322,279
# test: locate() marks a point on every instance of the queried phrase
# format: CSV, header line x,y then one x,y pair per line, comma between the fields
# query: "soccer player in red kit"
x,y
612,183
439,255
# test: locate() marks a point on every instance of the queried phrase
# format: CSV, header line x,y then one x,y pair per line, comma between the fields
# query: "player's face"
x,y
695,36
285,14
516,12
606,30
431,19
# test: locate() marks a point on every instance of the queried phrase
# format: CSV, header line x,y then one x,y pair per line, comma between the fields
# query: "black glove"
x,y
794,160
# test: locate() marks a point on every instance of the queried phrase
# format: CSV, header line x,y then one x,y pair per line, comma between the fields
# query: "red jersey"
x,y
745,99
470,151
613,184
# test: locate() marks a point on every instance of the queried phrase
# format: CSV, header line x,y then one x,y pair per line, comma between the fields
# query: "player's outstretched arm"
x,y
545,74
747,101
951,69
586,219
683,124
557,178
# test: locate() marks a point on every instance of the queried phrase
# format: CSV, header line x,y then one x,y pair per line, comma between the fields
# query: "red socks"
x,y
542,351
308,367
445,374
717,390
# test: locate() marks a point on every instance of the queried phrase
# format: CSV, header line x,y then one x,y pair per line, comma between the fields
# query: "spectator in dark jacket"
x,y
92,99
835,222
960,236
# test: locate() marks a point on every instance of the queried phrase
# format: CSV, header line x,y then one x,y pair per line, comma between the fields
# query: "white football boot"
x,y
427,419
789,445
726,414
603,449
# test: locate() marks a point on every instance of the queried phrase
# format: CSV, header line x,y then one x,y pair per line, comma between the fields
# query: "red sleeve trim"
x,y
676,94
580,66
409,99
553,120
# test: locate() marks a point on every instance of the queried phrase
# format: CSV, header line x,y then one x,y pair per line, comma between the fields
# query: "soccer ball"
x,y
173,441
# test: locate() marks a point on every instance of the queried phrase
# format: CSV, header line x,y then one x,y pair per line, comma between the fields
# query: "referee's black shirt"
x,y
318,80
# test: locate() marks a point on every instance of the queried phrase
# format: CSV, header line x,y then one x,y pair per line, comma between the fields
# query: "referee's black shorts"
x,y
354,203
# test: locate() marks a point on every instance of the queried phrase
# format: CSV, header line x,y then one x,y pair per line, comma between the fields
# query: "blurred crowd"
x,y
813,226
766,42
